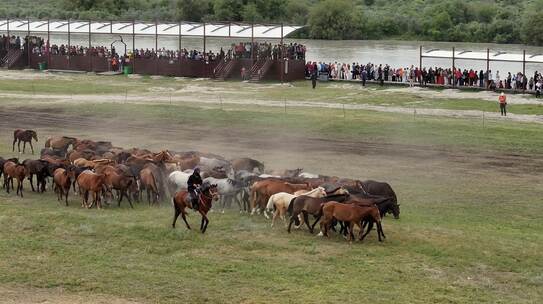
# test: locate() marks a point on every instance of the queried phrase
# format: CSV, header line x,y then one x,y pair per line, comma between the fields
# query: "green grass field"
x,y
470,229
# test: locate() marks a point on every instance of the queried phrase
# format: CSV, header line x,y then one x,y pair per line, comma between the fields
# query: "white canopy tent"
x,y
135,28
487,56
214,29
491,56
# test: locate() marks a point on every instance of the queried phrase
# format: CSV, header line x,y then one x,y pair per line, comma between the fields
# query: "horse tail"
x,y
48,143
15,134
270,204
291,206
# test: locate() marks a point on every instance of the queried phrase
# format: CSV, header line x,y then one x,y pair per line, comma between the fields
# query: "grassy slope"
x,y
467,237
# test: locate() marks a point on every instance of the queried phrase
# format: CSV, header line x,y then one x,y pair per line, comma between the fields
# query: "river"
x,y
392,52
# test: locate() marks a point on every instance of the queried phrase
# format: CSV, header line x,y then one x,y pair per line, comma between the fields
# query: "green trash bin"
x,y
42,66
127,69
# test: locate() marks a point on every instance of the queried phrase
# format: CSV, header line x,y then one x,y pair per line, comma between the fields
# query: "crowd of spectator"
x,y
433,75
12,42
267,50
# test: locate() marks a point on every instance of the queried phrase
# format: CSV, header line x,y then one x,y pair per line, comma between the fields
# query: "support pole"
x,y
156,48
524,63
48,45
9,44
90,46
204,39
420,68
282,57
28,42
487,67
453,69
69,44
252,42
134,46
179,54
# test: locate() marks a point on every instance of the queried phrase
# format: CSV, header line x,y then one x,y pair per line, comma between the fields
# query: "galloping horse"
x,y
181,201
25,136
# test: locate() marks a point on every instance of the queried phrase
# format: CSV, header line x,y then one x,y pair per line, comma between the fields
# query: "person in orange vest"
x,y
503,103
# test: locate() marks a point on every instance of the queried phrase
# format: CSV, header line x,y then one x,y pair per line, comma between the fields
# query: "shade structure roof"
x,y
492,56
212,29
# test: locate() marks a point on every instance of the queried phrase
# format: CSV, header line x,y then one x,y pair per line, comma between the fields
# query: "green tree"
x,y
333,19
531,27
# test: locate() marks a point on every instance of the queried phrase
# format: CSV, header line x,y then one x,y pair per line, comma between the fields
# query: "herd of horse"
x,y
106,172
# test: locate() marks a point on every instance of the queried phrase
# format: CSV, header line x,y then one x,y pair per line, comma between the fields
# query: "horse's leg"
x,y
274,216
24,146
369,224
351,228
183,216
31,147
292,219
30,178
149,196
306,220
317,218
14,140
67,192
20,185
120,198
205,222
176,211
380,231
128,198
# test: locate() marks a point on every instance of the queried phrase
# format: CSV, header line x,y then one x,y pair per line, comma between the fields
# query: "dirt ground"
x,y
13,295
365,158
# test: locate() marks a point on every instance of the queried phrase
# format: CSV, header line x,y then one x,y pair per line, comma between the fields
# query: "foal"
x,y
14,170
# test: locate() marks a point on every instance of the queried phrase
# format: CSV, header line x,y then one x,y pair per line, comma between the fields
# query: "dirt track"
x,y
380,160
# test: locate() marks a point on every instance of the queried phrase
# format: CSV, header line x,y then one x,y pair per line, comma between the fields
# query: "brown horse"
x,y
14,170
353,214
306,205
36,167
148,182
182,200
25,136
262,190
60,142
89,181
62,178
121,183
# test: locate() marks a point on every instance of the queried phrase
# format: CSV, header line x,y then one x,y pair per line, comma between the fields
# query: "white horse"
x,y
308,175
282,200
177,180
227,188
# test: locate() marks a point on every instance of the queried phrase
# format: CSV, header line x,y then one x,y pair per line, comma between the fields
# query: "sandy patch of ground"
x,y
29,295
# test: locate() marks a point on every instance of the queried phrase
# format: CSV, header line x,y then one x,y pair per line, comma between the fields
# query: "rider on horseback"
x,y
194,183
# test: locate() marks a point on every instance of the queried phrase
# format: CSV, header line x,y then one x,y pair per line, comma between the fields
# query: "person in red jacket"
x,y
503,103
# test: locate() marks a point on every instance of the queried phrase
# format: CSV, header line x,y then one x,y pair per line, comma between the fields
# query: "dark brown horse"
x,y
25,136
306,205
181,201
37,167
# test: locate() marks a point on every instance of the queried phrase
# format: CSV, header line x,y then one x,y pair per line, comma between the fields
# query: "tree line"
x,y
498,21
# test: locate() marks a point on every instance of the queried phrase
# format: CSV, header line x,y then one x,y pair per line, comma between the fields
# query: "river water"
x,y
394,53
